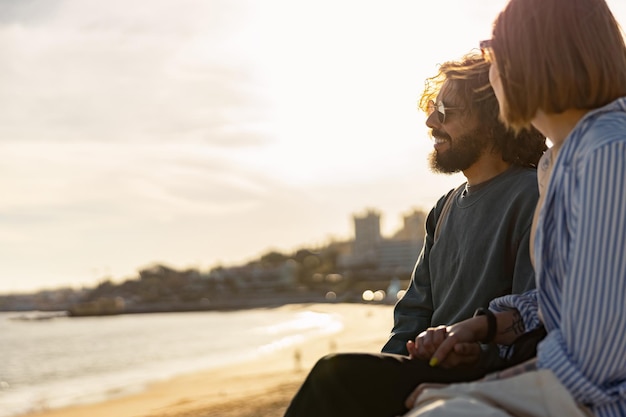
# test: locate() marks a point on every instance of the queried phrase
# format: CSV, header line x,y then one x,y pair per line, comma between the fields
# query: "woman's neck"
x,y
557,126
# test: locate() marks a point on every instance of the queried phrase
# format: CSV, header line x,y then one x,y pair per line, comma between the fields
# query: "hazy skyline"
x,y
196,133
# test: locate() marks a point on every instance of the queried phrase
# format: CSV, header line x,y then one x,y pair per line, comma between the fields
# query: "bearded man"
x,y
476,248
480,249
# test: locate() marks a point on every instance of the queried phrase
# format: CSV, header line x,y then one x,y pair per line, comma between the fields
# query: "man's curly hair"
x,y
470,76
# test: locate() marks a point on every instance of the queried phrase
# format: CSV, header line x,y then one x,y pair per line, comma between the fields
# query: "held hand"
x,y
426,344
462,354
458,341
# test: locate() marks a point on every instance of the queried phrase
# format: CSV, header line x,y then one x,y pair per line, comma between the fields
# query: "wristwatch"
x,y
492,324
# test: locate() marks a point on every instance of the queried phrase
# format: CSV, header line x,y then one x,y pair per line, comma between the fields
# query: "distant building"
x,y
396,255
414,226
367,235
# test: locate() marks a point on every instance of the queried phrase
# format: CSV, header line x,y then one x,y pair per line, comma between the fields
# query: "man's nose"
x,y
432,121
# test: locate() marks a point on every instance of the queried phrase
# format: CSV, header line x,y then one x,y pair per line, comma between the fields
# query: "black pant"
x,y
368,384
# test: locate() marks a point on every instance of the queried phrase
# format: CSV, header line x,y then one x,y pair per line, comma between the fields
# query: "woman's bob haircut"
x,y
555,55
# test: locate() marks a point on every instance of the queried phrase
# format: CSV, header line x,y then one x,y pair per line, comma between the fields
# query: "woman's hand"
x,y
452,345
427,343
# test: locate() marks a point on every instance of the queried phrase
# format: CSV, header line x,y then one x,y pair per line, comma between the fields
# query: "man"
x,y
475,251
481,248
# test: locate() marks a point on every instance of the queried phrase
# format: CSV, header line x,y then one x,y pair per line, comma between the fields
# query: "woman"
x,y
559,65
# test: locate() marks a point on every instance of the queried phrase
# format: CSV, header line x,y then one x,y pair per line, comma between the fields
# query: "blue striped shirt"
x,y
580,262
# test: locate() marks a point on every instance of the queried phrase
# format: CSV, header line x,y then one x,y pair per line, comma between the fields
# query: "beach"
x,y
257,388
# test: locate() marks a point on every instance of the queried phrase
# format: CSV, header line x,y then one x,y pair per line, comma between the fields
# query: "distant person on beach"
x,y
559,65
476,249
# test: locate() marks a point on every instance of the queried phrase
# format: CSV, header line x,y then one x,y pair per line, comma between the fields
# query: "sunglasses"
x,y
441,110
486,50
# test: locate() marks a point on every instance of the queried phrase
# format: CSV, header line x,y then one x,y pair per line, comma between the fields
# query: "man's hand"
x,y
452,345
427,343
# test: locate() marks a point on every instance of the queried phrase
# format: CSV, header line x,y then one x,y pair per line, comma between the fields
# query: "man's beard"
x,y
462,152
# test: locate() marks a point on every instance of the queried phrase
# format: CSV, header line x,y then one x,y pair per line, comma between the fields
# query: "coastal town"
x,y
368,268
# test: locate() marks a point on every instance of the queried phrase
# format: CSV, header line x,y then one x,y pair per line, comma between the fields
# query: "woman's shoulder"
x,y
604,126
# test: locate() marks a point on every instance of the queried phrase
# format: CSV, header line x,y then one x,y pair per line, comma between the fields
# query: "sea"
x,y
48,360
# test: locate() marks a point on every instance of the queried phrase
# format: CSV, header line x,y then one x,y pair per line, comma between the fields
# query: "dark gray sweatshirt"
x,y
481,253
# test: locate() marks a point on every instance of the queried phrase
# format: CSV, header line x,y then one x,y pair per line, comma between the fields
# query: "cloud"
x,y
73,181
193,130
26,12
107,71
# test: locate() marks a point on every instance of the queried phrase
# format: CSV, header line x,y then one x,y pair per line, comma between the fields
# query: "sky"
x,y
198,133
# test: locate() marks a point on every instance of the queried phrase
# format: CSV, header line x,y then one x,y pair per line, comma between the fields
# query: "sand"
x,y
261,388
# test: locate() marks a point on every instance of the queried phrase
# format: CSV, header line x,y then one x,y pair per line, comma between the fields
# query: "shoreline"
x,y
261,387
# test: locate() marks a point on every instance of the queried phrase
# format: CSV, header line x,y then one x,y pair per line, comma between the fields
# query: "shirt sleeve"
x,y
525,303
587,351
